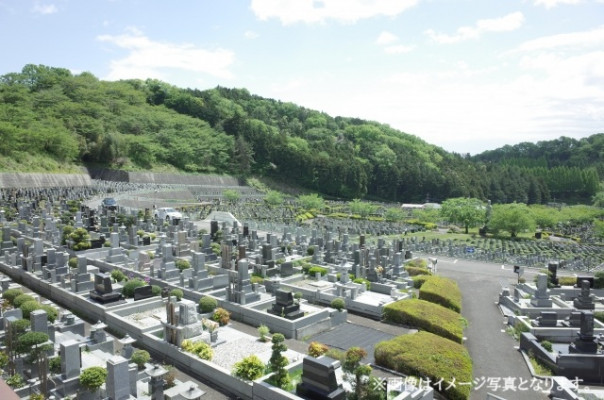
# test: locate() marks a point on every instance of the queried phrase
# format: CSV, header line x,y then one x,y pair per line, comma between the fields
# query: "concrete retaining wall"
x,y
164,178
35,180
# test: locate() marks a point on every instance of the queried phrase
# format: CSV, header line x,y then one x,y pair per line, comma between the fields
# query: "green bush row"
x,y
419,280
414,271
427,355
443,291
427,316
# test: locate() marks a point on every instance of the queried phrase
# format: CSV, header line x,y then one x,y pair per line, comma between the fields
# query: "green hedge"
x,y
419,280
428,355
426,316
443,291
415,271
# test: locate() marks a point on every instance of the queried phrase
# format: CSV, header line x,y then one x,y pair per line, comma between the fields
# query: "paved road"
x,y
492,350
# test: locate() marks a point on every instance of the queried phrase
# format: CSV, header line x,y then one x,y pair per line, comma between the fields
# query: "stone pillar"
x,y
118,378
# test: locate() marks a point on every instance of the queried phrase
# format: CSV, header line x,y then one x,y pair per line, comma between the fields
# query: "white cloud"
x,y
250,35
554,3
506,23
149,59
317,11
44,9
386,38
574,40
398,49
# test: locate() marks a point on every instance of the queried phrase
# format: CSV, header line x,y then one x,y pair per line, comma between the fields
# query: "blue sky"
x,y
465,75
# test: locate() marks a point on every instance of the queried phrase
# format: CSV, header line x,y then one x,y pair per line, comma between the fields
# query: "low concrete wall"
x,y
38,180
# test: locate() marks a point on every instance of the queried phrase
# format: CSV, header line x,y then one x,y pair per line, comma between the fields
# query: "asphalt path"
x,y
499,367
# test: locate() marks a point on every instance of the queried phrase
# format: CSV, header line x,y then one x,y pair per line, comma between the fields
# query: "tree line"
x,y
50,118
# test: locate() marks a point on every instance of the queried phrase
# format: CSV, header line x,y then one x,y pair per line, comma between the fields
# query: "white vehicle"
x,y
167,213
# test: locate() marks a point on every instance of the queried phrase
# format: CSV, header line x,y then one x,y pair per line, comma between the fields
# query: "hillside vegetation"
x,y
52,120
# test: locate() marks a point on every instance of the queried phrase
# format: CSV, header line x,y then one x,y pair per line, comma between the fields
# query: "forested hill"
x,y
50,119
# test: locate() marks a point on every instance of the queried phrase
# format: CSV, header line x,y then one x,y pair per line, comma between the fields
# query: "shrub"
x,y
81,239
417,263
128,289
599,280
156,290
256,279
207,304
313,270
117,275
338,303
599,315
263,330
310,250
73,262
364,281
221,316
93,378
419,280
182,264
427,316
428,355
54,364
23,298
28,307
316,349
278,361
51,312
567,280
547,345
177,293
250,368
443,291
415,271
201,349
140,358
16,381
10,295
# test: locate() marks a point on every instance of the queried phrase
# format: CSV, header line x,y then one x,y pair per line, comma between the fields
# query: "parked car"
x,y
109,203
167,213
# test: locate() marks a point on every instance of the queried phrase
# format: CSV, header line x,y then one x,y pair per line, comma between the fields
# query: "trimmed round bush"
x,y
207,304
140,358
250,368
93,378
23,298
182,264
156,290
128,289
28,307
51,312
73,262
11,294
117,275
338,303
428,355
313,270
177,293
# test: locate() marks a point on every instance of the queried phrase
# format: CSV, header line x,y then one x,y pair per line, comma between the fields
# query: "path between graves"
x,y
493,351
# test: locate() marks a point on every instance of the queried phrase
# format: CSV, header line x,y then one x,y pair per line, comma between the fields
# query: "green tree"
x,y
273,198
232,196
311,201
468,212
513,218
362,208
278,361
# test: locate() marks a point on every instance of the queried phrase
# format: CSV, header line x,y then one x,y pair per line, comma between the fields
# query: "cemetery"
x,y
171,286
252,273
